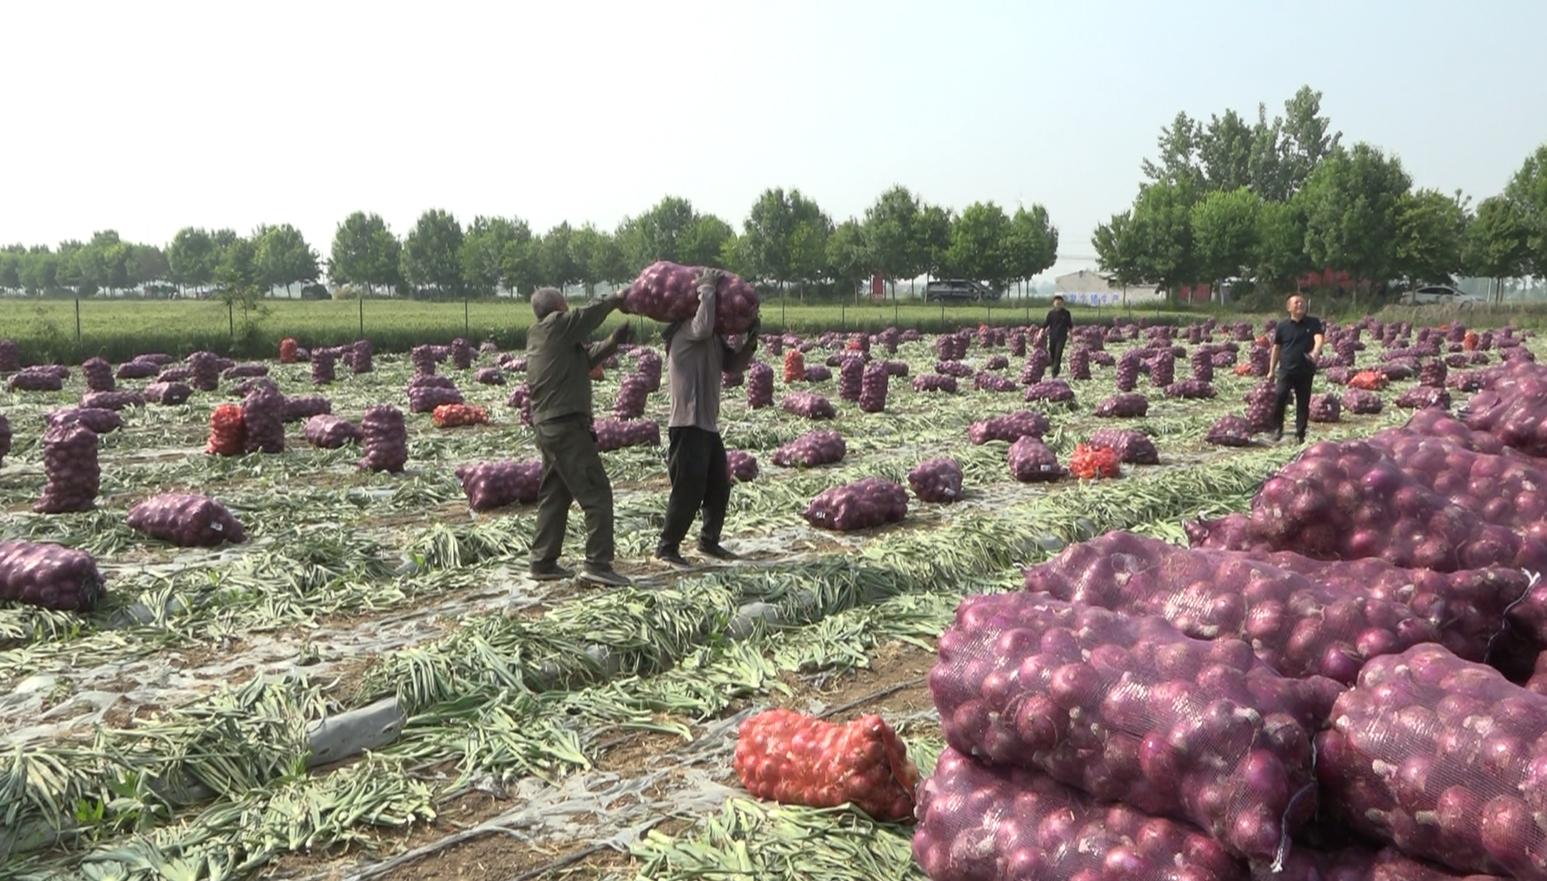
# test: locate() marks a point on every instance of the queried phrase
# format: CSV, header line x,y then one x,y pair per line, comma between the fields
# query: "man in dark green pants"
x,y
559,362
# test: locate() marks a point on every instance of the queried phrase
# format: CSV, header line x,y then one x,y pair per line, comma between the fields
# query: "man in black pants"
x,y
1296,343
559,361
1058,324
695,458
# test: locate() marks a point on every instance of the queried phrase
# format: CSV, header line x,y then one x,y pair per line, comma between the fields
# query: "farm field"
x,y
371,686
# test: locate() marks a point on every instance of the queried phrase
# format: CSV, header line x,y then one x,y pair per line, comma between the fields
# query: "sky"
x,y
150,116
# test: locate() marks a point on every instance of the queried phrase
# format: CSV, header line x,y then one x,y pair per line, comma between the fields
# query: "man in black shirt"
x,y
1296,343
1058,324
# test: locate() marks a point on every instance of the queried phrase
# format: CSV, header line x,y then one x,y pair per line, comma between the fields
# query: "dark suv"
x,y
959,289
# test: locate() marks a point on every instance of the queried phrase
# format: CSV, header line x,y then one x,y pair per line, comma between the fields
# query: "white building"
x,y
1090,288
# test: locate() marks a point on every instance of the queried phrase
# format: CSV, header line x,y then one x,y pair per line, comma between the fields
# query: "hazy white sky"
x,y
149,116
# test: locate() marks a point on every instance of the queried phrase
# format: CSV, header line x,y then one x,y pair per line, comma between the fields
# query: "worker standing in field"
x,y
559,362
1057,326
1296,343
695,459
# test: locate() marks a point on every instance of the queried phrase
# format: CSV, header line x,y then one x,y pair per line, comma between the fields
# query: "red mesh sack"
x,y
457,415
227,435
791,758
288,349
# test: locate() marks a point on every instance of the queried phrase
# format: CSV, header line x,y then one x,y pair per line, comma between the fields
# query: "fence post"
x,y
466,323
361,298
843,316
77,322
231,319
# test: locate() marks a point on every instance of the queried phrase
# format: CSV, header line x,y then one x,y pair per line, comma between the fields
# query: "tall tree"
x,y
1162,223
282,257
1497,240
704,242
39,270
556,257
892,235
662,233
10,268
1225,152
597,257
1280,257
1528,189
932,239
847,258
980,245
365,252
1033,242
430,253
1117,250
147,264
1351,204
483,250
1265,169
1178,159
784,237
1308,137
1225,229
1430,236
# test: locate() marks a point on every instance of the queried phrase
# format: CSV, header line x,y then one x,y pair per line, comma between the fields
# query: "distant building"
x,y
1090,288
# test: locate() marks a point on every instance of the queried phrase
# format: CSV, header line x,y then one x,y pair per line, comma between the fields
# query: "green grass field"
x,y
116,329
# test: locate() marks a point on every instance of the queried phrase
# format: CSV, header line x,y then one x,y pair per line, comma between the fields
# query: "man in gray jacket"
x,y
700,479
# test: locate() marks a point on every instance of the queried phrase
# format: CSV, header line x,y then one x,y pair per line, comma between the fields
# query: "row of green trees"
x,y
1274,200
785,240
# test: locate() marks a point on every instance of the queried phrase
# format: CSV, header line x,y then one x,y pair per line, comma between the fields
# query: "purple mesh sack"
x,y
760,379
186,520
613,434
1361,401
873,386
811,449
742,465
935,382
263,416
50,576
489,376
937,480
1032,462
1191,390
497,484
1123,405
71,468
331,432
632,392
1230,431
808,404
1131,447
1053,391
386,439
98,373
99,419
863,504
1009,427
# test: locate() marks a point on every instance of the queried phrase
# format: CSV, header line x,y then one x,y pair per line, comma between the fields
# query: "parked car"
x,y
1433,294
959,289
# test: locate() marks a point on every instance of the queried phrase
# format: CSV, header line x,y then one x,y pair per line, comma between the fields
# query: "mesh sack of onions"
x,y
1191,390
263,421
521,399
1017,341
1397,371
1519,420
792,758
896,368
489,376
1443,758
34,379
851,378
759,385
935,382
997,362
873,387
1230,431
1258,358
1202,363
1432,373
1132,447
1035,367
5,438
204,371
863,504
227,433
331,432
137,370
937,480
1337,375
1094,462
1079,364
10,356
461,354
667,291
632,392
386,439
498,484
808,404
360,357
1326,408
1128,371
423,359
1009,427
613,434
1225,358
288,350
247,386
731,380
958,369
98,373
1362,402
175,374
71,468
1438,423
741,465
1123,405
1301,616
1204,731
1466,381
323,369
949,347
811,449
187,520
794,366
1162,369
1369,380
244,371
459,415
301,407
993,382
50,576
1031,461
98,419
818,373
1424,397
1259,406
1054,391
425,398
987,823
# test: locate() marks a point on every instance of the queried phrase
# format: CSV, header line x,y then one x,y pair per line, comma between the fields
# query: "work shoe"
x,y
550,572
673,558
604,575
715,550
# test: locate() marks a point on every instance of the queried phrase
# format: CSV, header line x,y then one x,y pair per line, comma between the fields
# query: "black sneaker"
x,y
672,558
715,550
550,572
604,575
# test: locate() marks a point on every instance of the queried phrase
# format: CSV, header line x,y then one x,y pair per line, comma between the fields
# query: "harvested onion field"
x,y
372,687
